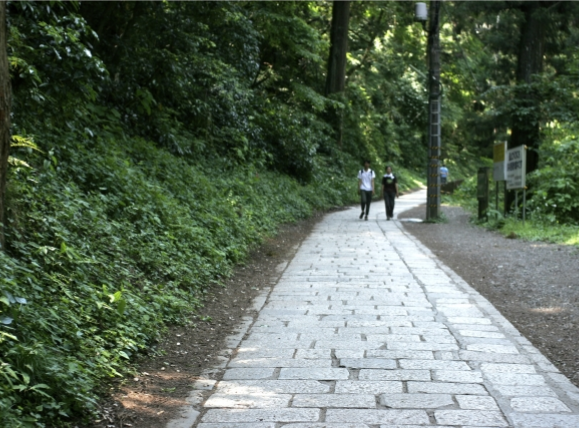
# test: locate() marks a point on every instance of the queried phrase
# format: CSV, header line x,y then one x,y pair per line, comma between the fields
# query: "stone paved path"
x,y
367,329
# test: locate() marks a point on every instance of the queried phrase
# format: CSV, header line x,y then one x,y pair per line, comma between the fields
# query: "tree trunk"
x,y
525,127
5,102
336,78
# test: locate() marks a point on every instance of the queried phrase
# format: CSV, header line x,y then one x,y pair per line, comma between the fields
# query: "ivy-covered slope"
x,y
110,240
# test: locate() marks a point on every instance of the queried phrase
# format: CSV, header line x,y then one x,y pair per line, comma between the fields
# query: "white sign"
x,y
516,167
499,164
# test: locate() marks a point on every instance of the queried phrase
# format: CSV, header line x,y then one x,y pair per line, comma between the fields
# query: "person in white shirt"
x,y
366,188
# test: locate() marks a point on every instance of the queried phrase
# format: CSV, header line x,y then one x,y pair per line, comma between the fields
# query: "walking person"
x,y
390,191
366,188
443,174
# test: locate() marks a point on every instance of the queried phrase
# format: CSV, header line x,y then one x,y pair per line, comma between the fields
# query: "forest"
x,y
152,145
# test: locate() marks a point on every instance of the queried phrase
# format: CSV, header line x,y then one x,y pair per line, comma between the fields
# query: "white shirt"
x,y
366,177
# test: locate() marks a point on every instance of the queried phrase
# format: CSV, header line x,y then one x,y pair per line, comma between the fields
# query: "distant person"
x,y
390,191
443,174
366,188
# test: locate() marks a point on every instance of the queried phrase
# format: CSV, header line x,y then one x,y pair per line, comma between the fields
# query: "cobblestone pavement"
x,y
367,329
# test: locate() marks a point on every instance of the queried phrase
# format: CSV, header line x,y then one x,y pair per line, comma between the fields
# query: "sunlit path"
x,y
367,329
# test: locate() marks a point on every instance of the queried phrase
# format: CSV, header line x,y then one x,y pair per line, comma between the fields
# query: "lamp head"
x,y
421,12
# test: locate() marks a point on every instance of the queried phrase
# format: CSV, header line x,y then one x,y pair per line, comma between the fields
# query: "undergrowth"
x,y
110,241
539,225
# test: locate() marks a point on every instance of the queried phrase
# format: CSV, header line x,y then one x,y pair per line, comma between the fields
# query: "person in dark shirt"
x,y
390,191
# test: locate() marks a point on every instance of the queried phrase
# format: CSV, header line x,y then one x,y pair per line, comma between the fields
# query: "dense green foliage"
x,y
157,142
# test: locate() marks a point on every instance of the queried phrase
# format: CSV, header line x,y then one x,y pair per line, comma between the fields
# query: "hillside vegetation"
x,y
156,143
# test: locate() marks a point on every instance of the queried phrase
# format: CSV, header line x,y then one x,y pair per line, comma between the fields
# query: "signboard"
x,y
499,164
516,167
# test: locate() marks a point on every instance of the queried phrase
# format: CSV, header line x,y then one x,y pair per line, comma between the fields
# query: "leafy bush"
x,y
109,240
555,189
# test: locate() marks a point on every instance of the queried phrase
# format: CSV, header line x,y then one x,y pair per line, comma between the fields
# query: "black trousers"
x,y
366,200
389,198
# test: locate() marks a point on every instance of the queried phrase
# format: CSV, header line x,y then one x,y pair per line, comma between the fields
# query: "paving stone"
x,y
257,400
497,349
280,362
446,388
507,368
335,400
261,415
416,401
471,417
313,354
522,420
382,353
187,417
367,363
345,344
433,365
237,425
248,373
420,426
247,353
314,373
369,416
440,339
477,333
493,358
369,374
485,341
383,310
374,387
468,320
204,384
524,390
460,376
538,404
326,425
392,338
423,346
304,344
515,379
340,336
272,387
472,402
349,353
476,327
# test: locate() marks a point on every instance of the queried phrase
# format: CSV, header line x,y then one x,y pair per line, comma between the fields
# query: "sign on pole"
x,y
516,168
499,164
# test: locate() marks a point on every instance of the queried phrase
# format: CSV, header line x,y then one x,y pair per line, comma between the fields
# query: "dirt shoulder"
x,y
165,378
534,285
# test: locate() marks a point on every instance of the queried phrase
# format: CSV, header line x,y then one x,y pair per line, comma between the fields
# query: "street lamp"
x,y
434,98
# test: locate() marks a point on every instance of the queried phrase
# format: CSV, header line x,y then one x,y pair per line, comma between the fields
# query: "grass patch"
x,y
537,227
536,230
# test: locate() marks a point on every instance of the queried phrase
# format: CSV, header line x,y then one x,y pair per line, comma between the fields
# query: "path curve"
x,y
366,328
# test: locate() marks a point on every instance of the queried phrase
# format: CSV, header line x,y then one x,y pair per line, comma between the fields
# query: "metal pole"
x,y
516,204
524,204
497,196
434,90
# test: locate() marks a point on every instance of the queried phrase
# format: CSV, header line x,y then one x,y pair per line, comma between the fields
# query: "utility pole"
x,y
434,101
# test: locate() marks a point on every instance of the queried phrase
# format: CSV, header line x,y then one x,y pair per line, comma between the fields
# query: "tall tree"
x,y
525,126
336,77
5,102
